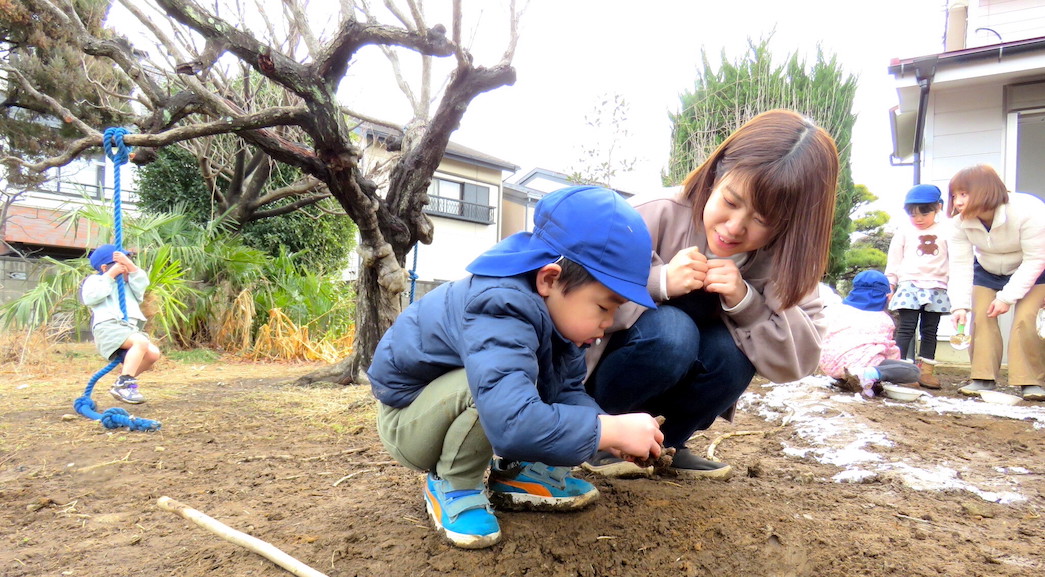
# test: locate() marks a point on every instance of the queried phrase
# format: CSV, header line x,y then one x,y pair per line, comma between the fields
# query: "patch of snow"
x,y
820,417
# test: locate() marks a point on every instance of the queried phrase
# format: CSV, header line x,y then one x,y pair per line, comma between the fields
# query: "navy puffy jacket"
x,y
526,379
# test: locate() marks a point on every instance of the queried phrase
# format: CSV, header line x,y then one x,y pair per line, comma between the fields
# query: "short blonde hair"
x,y
985,188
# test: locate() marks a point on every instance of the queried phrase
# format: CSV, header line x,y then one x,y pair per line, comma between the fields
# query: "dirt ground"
x,y
302,469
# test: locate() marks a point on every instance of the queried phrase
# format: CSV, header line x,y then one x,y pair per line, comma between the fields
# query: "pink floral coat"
x,y
856,339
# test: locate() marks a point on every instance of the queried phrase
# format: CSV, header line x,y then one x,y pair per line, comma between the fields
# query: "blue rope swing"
x,y
413,274
114,417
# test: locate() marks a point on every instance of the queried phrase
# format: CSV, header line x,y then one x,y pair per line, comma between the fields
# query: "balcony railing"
x,y
459,209
73,189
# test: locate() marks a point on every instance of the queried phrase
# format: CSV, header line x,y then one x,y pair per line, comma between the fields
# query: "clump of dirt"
x,y
302,468
661,464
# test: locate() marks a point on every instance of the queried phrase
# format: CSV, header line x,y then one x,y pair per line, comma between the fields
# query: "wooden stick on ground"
x,y
256,545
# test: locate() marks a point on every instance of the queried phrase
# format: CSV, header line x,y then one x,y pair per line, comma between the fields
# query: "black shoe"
x,y
686,464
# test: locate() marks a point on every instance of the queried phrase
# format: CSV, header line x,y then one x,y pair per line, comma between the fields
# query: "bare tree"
x,y
183,96
600,162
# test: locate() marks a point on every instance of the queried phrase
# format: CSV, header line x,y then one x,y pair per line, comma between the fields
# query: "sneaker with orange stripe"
x,y
522,485
464,517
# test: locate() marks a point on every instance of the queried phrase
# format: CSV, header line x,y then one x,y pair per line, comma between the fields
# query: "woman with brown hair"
x,y
737,258
997,262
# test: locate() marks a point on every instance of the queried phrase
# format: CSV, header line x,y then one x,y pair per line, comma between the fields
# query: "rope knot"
x,y
114,137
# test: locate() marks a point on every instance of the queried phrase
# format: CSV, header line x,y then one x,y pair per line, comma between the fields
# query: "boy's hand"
x,y
122,259
633,434
686,272
724,278
116,270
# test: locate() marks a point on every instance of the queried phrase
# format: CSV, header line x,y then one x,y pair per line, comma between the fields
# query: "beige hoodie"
x,y
1015,245
782,345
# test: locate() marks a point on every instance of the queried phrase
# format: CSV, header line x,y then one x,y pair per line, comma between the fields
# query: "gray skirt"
x,y
909,296
110,335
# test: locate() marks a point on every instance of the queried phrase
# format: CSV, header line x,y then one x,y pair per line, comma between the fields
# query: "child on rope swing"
x,y
113,330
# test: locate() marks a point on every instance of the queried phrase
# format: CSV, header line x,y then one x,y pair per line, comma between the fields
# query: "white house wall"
x,y
967,127
1011,19
457,244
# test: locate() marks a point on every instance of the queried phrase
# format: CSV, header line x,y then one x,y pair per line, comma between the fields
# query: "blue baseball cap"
x,y
102,255
923,194
590,225
870,291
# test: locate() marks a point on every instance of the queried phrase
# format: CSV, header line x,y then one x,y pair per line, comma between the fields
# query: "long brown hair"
x,y
985,188
790,166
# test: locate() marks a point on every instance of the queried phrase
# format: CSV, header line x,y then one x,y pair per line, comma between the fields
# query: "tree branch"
x,y
297,188
291,206
352,35
53,106
244,45
275,116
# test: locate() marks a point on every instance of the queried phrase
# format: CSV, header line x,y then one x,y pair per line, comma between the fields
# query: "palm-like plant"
x,y
198,275
57,292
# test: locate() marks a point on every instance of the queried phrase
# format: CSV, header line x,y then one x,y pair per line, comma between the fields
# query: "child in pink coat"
x,y
858,348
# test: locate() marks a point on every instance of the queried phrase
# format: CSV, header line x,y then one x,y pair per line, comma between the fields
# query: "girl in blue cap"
x,y
858,348
738,255
494,364
917,273
111,329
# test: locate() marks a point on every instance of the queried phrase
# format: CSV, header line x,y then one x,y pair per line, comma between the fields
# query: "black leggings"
x,y
909,321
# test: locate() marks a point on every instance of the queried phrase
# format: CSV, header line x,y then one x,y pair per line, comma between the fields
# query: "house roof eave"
x,y
901,67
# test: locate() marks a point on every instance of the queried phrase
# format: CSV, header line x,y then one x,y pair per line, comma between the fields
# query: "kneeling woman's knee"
x,y
674,335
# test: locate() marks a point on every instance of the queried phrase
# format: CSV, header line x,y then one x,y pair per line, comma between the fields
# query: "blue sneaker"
x,y
522,485
465,517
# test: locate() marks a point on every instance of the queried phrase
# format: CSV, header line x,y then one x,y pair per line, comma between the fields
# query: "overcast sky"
x,y
574,53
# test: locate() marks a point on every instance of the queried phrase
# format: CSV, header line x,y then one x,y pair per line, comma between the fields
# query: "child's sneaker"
x,y
869,377
522,485
126,389
464,517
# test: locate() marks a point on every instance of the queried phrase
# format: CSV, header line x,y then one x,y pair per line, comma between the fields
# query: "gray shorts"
x,y
110,335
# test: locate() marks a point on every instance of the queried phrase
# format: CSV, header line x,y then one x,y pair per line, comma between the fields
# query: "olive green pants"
x,y
439,432
1026,350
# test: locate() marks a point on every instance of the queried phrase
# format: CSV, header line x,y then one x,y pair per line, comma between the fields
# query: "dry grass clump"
x,y
236,322
281,339
26,348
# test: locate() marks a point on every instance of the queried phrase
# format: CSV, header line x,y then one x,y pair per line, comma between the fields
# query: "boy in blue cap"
x,y
113,331
494,364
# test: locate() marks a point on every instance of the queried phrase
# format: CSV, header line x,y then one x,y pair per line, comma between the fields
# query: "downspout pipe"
x,y
925,71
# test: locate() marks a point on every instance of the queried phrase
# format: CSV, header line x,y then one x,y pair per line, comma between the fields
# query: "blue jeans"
x,y
668,364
